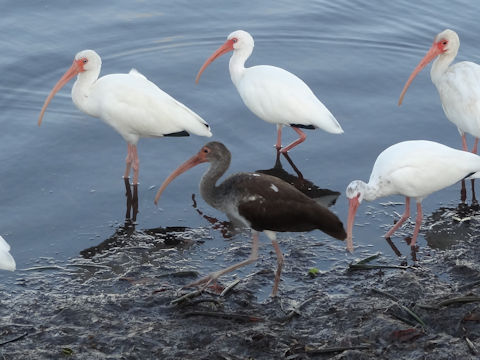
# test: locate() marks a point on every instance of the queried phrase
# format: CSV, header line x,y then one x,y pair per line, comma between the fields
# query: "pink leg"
x,y
404,217
278,145
215,275
464,142
418,222
273,237
135,164
475,146
296,142
128,161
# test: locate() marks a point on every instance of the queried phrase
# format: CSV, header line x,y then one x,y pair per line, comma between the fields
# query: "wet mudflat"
x,y
120,300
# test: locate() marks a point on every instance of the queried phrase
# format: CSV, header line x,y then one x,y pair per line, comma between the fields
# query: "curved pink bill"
x,y
431,54
226,47
193,161
74,70
352,209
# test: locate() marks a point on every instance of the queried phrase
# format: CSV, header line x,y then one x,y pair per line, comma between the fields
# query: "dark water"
x,y
62,189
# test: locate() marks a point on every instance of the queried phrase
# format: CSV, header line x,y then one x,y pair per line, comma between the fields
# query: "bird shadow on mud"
x,y
173,236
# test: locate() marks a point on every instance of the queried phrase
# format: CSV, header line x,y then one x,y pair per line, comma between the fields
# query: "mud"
x,y
120,300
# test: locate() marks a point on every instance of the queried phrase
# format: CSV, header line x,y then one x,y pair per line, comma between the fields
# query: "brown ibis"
x,y
257,201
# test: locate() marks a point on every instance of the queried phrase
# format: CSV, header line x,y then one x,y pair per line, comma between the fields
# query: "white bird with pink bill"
x,y
131,104
272,93
458,85
414,169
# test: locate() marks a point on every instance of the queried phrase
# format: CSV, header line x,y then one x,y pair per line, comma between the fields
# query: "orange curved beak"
x,y
76,68
352,209
431,54
225,48
199,158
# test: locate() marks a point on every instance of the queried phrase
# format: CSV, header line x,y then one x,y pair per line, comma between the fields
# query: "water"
x,y
62,189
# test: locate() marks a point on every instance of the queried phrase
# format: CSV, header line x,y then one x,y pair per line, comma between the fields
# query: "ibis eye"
x,y
206,150
85,60
234,40
444,42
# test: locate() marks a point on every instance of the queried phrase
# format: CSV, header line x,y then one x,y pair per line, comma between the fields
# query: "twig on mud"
x,y
230,287
408,310
187,296
456,300
471,346
368,259
326,350
180,274
199,301
363,264
469,285
223,315
14,339
47,267
296,310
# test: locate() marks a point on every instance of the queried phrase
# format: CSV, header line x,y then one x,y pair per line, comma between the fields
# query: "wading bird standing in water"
x,y
257,201
131,104
274,94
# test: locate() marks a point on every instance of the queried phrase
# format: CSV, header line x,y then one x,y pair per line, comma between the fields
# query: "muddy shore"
x,y
120,301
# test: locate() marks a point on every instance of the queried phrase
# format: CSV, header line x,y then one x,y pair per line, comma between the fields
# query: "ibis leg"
x,y
418,222
404,217
215,275
475,146
296,142
278,145
279,267
464,142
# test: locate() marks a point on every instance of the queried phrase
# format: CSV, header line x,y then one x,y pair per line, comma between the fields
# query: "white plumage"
x,y
7,262
274,94
414,169
458,85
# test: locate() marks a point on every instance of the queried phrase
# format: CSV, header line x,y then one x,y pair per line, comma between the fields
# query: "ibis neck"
x,y
208,188
82,89
371,191
237,63
440,66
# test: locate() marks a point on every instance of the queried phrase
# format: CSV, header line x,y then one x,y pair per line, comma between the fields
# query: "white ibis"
x,y
274,94
6,260
414,169
258,201
458,85
130,103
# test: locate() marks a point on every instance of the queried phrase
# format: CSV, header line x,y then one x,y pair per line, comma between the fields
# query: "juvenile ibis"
x,y
274,94
130,103
458,85
7,261
258,201
414,169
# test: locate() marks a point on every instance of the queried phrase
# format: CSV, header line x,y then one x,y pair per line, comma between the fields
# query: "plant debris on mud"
x,y
124,300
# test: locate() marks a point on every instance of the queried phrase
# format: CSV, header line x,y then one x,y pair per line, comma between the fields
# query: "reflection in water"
x,y
324,197
127,235
448,226
132,200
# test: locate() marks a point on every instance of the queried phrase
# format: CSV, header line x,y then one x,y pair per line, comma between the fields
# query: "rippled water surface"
x,y
62,188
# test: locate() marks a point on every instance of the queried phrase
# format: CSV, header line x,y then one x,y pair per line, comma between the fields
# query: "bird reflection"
x,y
126,235
450,225
132,201
324,197
463,192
